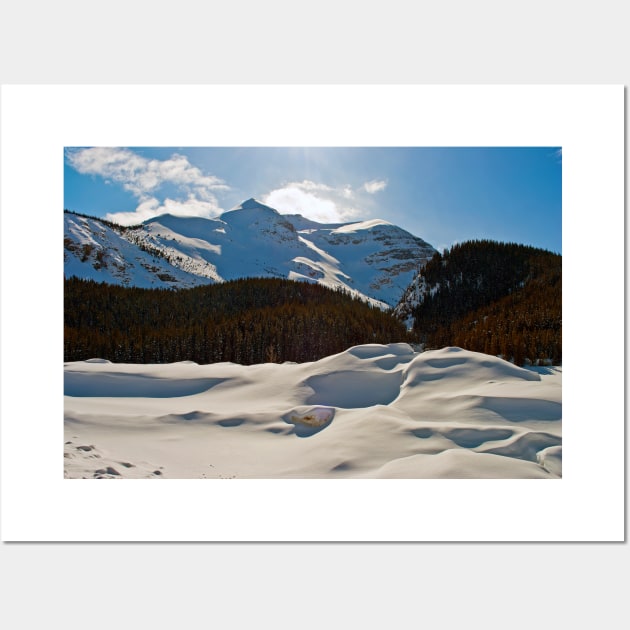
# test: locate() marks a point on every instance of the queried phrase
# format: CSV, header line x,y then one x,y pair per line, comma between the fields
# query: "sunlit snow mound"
x,y
371,411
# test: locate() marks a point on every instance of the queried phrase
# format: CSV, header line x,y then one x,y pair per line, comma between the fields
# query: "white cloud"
x,y
347,192
294,200
315,201
139,175
152,207
142,177
375,186
310,186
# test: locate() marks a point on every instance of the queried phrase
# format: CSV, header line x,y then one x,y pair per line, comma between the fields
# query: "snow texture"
x,y
373,411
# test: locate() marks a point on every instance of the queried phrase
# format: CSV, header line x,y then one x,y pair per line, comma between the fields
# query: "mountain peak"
x,y
370,259
254,204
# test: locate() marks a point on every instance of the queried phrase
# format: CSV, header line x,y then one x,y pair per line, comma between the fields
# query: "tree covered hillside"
x,y
498,298
245,321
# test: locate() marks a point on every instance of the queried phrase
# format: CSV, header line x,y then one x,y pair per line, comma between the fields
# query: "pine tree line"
x,y
498,298
245,321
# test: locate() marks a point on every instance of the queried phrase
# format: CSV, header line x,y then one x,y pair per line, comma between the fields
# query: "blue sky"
x,y
444,195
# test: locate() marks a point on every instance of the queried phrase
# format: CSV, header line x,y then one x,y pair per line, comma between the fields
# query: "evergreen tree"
x,y
245,321
499,298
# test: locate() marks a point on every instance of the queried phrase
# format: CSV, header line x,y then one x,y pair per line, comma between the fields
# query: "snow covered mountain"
x,y
374,259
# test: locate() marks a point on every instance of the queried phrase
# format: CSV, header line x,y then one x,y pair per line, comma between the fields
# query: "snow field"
x,y
373,411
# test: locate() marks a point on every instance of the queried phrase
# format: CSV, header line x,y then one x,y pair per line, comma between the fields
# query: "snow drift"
x,y
372,411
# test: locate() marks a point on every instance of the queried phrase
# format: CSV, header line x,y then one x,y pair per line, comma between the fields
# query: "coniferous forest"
x,y
502,299
499,298
245,321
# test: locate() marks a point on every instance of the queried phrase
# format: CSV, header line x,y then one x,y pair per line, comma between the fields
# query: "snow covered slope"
x,y
374,259
373,411
96,250
411,297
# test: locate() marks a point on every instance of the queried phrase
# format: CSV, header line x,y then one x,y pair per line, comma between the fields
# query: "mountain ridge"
x,y
374,259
